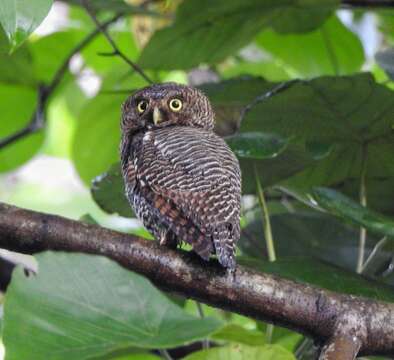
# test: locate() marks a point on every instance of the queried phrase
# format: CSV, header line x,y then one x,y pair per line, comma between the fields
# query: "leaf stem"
x,y
266,221
374,251
205,342
268,239
165,354
363,202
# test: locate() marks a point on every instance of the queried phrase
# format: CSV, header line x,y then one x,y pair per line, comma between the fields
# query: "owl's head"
x,y
166,104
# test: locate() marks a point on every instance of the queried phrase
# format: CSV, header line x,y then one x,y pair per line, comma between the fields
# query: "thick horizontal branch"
x,y
335,319
368,3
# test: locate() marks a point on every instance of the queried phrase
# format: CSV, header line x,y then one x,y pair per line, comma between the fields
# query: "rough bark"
x,y
341,321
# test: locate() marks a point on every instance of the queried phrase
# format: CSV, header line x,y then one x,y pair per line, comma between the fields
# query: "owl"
x,y
181,179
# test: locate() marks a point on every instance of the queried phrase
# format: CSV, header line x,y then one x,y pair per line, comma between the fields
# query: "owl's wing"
x,y
197,171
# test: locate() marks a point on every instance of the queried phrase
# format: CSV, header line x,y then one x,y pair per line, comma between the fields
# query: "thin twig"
x,y
363,202
37,120
117,51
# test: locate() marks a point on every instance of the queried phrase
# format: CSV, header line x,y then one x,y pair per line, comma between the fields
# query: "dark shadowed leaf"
x,y
257,145
108,192
307,233
346,112
97,307
19,18
348,209
207,32
243,352
229,97
324,275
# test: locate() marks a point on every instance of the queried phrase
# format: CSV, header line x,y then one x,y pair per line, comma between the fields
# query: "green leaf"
x,y
81,306
324,275
329,50
257,145
15,68
15,117
50,51
306,233
238,334
19,18
346,208
97,137
109,193
380,193
207,32
346,112
243,352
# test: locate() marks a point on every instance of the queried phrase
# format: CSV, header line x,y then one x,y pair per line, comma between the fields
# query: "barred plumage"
x,y
181,178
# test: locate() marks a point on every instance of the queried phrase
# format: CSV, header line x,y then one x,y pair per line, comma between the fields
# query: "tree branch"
x,y
368,3
319,313
117,51
37,120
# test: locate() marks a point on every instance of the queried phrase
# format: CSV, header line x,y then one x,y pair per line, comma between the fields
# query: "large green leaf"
x,y
331,49
81,306
350,112
243,352
346,208
14,117
324,275
19,18
207,32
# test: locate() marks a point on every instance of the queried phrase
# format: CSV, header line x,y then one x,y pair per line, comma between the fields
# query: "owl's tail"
x,y
223,239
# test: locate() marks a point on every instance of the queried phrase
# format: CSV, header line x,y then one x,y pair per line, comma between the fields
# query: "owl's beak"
x,y
157,116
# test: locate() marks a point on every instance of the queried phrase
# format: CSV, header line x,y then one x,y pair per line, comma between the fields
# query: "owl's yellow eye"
x,y
142,105
175,105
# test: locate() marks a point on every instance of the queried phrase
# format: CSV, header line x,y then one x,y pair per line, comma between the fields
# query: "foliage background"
x,y
318,147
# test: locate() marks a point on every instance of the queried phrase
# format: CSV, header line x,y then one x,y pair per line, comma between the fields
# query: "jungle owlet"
x,y
182,180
